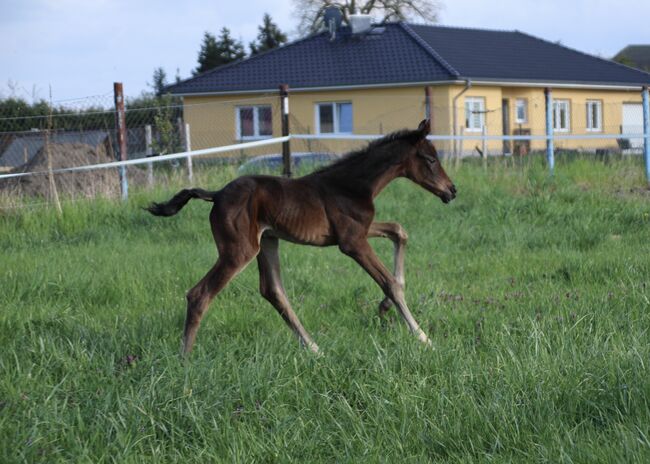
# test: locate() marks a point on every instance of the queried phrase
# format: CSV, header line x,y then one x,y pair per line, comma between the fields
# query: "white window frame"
x,y
256,122
336,128
598,106
557,111
523,102
481,114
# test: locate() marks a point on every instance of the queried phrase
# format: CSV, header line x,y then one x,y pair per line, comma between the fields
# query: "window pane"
x,y
246,128
594,115
468,115
478,116
326,118
265,123
521,110
345,117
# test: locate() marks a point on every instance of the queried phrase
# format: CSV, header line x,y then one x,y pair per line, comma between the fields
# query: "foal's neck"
x,y
382,180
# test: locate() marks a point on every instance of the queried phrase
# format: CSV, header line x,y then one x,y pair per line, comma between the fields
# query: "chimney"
x,y
360,23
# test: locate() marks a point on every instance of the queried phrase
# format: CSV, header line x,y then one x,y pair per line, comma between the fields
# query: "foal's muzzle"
x,y
449,195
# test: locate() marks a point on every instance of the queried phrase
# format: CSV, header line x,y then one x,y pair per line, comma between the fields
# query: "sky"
x,y
78,48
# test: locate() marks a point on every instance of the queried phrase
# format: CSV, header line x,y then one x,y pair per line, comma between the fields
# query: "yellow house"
x,y
479,84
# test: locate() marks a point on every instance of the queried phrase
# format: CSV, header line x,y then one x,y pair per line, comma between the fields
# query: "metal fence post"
x,y
286,148
120,126
646,132
550,155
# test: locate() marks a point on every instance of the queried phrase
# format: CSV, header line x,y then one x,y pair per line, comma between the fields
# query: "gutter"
x,y
468,85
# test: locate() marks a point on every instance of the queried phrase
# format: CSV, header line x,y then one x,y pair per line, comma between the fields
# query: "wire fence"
x,y
58,149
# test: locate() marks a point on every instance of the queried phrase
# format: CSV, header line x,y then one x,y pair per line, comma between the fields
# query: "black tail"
x,y
179,200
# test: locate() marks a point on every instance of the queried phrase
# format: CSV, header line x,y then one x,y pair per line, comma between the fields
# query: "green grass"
x,y
533,290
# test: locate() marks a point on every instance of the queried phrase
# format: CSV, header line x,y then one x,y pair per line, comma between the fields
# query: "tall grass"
x,y
533,289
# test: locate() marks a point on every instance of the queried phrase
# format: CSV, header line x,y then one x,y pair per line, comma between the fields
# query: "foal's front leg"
x,y
360,250
396,233
272,290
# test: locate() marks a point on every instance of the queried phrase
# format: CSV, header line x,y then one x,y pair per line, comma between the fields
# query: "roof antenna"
x,y
332,19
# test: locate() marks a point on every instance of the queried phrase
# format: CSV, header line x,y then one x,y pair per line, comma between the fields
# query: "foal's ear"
x,y
425,127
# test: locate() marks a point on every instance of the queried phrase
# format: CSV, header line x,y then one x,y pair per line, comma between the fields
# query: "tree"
x,y
215,52
310,12
159,81
229,48
269,37
209,54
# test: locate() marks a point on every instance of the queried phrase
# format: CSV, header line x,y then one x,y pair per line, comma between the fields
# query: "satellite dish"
x,y
332,19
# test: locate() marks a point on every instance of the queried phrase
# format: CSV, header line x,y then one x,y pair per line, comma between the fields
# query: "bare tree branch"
x,y
310,12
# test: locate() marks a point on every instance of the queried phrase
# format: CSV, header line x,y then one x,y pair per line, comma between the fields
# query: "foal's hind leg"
x,y
199,297
396,233
271,288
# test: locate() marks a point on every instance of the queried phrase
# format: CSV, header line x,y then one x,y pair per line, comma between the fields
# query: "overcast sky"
x,y
80,47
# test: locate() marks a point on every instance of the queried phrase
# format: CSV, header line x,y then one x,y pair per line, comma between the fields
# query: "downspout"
x,y
468,85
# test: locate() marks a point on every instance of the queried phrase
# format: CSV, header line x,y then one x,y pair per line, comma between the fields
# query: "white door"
x,y
633,123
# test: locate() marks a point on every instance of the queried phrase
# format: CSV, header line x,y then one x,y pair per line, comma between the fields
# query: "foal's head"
x,y
423,167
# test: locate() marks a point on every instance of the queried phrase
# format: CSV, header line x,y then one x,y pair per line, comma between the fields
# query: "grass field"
x,y
533,290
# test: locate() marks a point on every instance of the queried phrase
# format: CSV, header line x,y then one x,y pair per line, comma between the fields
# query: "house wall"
x,y
374,111
380,111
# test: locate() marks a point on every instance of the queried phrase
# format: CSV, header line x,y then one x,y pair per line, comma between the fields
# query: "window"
x,y
521,110
561,115
474,114
594,115
254,122
334,118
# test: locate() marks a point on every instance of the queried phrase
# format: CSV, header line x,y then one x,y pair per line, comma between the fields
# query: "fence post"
x,y
148,140
646,132
286,148
550,156
427,103
484,140
188,147
120,126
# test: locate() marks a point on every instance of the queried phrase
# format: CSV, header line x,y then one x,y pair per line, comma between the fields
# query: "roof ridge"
x,y
247,59
429,49
561,45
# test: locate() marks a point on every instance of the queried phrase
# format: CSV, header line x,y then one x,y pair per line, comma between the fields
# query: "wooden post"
x,y
459,151
427,104
188,147
54,194
120,127
286,148
53,191
148,152
484,140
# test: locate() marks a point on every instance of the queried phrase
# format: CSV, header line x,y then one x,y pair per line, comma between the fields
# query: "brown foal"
x,y
331,206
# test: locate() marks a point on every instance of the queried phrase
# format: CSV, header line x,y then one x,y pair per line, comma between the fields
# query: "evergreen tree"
x,y
269,37
217,52
229,48
209,54
159,81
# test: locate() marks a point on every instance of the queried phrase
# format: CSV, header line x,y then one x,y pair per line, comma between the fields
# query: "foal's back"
x,y
291,209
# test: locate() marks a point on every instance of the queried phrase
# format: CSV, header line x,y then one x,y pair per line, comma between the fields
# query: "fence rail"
x,y
171,130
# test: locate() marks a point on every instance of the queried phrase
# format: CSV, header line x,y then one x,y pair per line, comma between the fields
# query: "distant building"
x,y
372,81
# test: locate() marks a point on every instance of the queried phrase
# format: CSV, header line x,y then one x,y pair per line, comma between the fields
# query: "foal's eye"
x,y
431,161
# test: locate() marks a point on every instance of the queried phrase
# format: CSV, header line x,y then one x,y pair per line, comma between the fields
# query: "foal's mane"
x,y
371,158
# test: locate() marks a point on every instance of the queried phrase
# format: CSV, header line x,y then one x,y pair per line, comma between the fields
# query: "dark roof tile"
x,y
405,53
